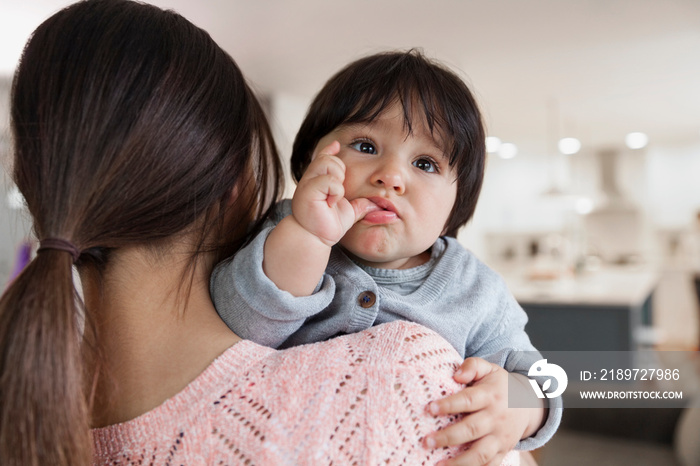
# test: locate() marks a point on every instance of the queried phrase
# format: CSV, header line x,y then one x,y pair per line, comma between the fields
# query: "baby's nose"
x,y
391,177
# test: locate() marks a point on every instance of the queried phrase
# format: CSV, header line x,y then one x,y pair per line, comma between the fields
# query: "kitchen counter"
x,y
604,310
607,287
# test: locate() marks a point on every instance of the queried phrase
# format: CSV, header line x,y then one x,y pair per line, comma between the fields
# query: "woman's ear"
x,y
232,196
244,188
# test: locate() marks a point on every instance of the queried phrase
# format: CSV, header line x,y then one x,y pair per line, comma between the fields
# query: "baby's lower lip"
x,y
379,217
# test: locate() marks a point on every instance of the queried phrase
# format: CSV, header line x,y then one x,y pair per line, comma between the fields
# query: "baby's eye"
x,y
426,165
364,146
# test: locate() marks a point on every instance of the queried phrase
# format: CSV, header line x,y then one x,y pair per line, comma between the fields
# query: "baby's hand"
x,y
490,427
319,204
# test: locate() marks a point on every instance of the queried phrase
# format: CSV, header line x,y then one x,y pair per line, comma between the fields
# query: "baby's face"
x,y
408,176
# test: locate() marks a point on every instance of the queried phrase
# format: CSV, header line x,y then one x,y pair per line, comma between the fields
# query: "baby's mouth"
x,y
383,212
383,204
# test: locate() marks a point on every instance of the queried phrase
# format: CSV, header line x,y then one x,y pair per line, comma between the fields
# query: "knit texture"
x,y
359,399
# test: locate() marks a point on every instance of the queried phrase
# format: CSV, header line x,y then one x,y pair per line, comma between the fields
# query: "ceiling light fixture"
x,y
507,150
569,146
492,144
636,140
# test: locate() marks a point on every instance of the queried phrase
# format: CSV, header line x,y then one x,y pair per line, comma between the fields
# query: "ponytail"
x,y
44,417
130,126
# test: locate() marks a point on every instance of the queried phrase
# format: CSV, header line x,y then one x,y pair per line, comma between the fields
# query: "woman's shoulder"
x,y
399,342
398,345
180,422
358,392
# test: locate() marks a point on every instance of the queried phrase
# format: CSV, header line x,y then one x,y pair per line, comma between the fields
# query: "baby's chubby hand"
x,y
319,204
489,426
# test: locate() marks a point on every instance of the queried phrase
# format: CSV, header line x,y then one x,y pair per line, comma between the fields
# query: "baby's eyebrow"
x,y
440,148
356,126
436,144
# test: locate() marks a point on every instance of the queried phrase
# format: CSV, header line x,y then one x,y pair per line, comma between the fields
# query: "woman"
x,y
144,158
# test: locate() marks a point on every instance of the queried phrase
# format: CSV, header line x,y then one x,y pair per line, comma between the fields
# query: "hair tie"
x,y
60,245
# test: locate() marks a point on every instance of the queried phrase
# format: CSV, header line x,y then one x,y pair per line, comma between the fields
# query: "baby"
x,y
389,161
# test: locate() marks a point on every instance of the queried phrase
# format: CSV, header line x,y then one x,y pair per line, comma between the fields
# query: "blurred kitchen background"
x,y
591,204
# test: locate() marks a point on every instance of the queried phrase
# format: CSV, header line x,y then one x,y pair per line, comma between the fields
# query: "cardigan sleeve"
x,y
252,305
509,346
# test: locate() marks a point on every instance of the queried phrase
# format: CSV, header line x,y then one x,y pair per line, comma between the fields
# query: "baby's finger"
x,y
482,452
324,187
526,458
458,460
468,400
469,429
473,369
497,460
362,207
325,165
331,149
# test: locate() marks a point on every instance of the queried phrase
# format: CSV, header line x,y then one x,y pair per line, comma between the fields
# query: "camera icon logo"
x,y
543,368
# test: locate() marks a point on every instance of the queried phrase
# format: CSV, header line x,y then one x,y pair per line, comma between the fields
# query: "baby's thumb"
x,y
362,207
473,369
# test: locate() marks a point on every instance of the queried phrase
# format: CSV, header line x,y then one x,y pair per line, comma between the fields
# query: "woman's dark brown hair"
x,y
130,126
365,88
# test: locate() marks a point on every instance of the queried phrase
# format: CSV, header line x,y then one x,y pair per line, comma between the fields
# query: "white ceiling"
x,y
598,68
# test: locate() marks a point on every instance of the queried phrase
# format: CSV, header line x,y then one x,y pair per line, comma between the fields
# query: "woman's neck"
x,y
154,337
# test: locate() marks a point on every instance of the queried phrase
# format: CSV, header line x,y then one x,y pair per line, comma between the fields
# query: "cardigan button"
x,y
367,299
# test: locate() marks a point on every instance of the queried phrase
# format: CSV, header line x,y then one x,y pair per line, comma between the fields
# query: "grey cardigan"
x,y
461,299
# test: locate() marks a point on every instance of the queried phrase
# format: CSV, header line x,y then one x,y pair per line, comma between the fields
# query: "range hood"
x,y
616,229
608,169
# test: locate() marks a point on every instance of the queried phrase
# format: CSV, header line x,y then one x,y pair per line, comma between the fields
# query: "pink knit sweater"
x,y
355,400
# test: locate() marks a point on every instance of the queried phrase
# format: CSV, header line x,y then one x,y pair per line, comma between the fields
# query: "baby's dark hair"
x,y
361,91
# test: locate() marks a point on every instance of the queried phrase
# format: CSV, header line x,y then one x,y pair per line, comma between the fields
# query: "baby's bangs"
x,y
418,100
425,102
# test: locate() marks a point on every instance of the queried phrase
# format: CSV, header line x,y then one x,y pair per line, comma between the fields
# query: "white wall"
x,y
674,184
287,113
662,181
